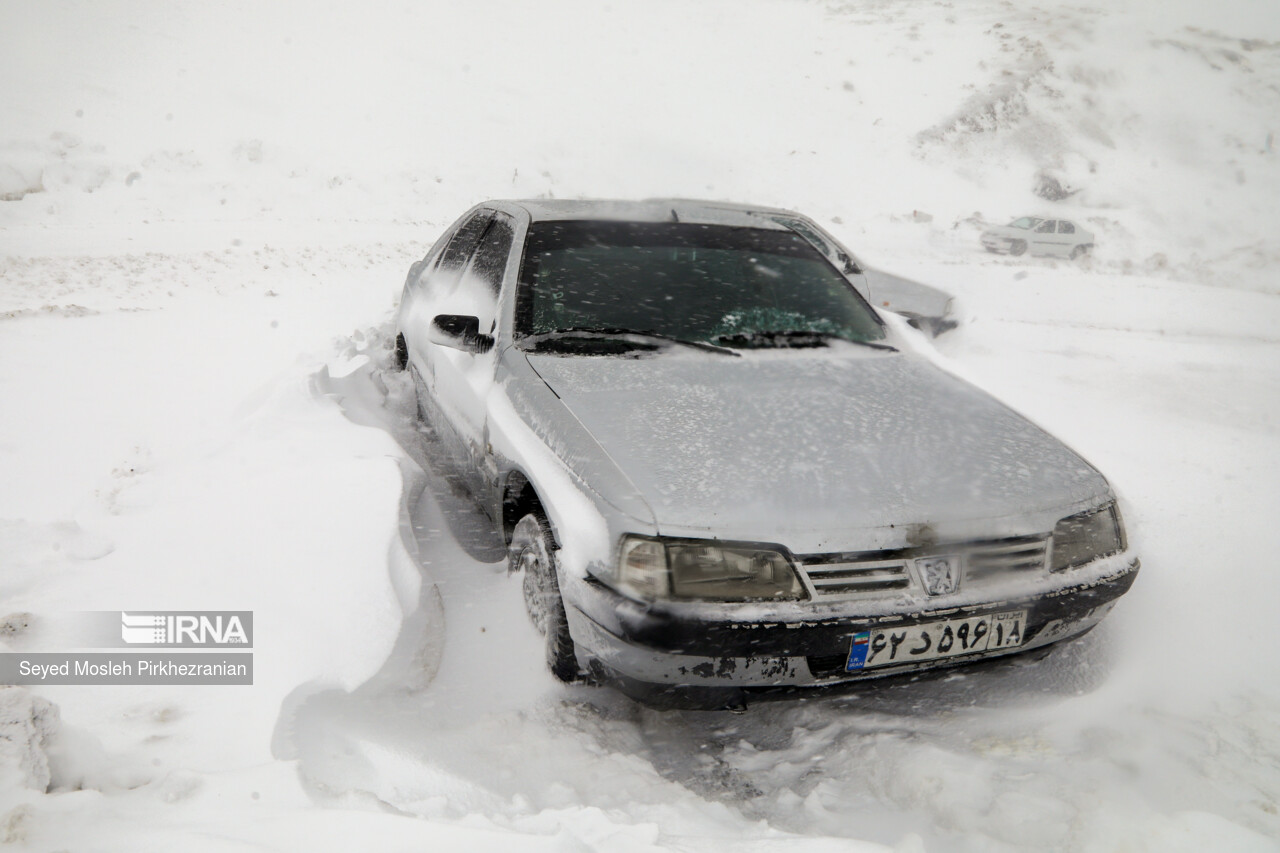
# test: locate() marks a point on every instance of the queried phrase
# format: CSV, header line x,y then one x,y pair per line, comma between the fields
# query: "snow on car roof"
x,y
650,210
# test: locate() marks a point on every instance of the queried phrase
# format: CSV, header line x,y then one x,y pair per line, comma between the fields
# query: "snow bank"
x,y
1155,125
27,725
193,490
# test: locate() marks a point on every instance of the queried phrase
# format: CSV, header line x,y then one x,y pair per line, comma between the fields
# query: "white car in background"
x,y
1060,237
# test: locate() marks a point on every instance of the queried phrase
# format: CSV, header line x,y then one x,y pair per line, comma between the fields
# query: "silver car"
x,y
1040,236
719,469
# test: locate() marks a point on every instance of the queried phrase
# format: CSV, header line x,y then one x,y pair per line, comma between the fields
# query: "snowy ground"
x,y
207,214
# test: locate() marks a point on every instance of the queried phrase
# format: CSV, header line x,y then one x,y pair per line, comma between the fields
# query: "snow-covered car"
x,y
718,468
1040,236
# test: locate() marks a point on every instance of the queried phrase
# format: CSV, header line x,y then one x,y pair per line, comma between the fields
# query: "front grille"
x,y
830,575
1005,557
871,572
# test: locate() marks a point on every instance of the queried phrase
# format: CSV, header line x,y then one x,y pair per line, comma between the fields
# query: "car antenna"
x,y
674,217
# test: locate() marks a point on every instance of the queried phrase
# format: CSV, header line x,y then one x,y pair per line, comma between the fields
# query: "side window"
x,y
490,260
419,272
839,258
443,277
1045,227
1065,227
806,232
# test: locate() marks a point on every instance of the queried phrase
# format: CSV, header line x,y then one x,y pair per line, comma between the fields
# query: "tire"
x,y
400,358
1078,251
532,553
1018,247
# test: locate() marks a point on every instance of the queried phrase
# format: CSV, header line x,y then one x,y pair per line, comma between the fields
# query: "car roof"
x,y
649,210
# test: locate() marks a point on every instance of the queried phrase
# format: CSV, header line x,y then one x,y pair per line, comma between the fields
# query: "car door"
x,y
463,378
1067,237
1044,239
423,301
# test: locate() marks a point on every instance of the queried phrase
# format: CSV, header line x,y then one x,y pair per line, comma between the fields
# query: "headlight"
x,y
1087,537
693,569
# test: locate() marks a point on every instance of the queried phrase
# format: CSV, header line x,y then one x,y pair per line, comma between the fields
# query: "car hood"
x,y
813,440
1008,231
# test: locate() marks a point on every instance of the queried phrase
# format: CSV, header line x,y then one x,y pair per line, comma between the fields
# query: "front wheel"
x,y
532,553
1018,247
400,357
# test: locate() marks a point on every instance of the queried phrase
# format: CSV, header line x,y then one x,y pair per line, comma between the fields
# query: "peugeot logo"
x,y
941,575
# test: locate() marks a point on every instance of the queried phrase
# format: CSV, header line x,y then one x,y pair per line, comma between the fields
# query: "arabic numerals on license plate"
x,y
933,640
1006,630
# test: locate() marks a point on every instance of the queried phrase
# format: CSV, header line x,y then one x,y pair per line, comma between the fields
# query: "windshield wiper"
x,y
614,333
793,338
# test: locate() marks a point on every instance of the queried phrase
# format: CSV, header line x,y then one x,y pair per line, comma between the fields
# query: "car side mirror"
x,y
459,331
850,266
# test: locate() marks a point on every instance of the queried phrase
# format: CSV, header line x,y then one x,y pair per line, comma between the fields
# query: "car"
x,y
719,470
1040,236
923,307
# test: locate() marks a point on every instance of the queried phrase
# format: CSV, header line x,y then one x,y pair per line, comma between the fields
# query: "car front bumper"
x,y
646,644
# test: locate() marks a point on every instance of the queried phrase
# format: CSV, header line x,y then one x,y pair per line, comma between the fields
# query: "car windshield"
x,y
1025,222
715,284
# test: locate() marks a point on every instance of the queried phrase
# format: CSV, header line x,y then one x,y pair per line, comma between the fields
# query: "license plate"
x,y
934,640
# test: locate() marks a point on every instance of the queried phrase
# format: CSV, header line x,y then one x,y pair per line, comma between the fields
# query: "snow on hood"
x,y
814,441
1007,231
